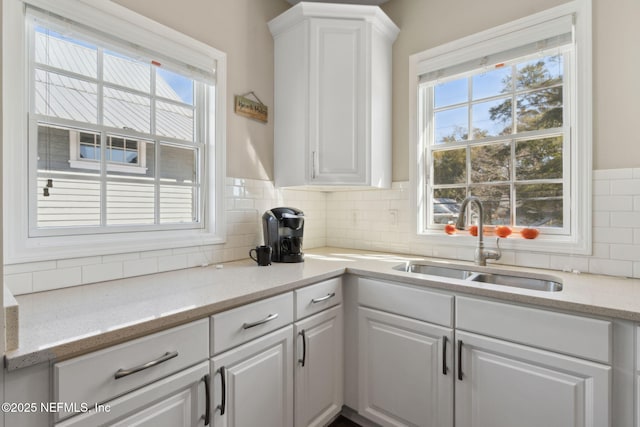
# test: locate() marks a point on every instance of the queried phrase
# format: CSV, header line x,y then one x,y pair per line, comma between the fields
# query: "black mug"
x,y
263,255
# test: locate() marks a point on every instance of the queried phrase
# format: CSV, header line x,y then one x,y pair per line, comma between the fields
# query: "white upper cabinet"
x,y
333,95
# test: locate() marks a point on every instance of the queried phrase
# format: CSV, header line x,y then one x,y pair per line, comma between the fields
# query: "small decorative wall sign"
x,y
251,109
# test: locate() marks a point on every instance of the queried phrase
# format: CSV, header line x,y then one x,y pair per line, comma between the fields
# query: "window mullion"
x,y
512,177
200,132
469,134
103,139
426,107
156,152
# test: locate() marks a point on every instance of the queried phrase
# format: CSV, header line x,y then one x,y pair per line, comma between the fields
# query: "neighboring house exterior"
x,y
69,157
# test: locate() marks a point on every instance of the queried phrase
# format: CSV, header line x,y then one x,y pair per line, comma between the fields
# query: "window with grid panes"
x,y
498,133
119,133
506,115
115,139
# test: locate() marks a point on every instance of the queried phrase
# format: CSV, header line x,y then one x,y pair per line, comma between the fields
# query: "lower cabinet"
x,y
254,363
252,385
510,365
402,357
501,384
319,368
405,370
158,380
176,401
637,376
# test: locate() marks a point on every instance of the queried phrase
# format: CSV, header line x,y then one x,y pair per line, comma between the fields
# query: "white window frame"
x,y
19,245
501,38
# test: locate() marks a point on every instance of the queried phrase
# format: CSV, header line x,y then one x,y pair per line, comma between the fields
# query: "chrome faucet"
x,y
482,255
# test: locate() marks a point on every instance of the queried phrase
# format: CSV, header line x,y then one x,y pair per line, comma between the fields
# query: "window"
x,y
122,153
498,134
104,100
507,128
125,133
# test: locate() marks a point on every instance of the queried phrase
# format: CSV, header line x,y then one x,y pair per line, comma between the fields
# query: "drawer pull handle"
x,y
460,360
269,318
121,373
223,383
304,348
207,399
445,369
328,296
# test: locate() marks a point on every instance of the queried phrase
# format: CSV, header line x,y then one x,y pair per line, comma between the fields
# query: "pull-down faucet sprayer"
x,y
481,255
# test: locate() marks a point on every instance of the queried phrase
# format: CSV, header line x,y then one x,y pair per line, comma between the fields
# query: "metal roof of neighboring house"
x,y
72,98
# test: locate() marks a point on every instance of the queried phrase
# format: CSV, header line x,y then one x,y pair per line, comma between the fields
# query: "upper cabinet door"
x,y
332,110
337,101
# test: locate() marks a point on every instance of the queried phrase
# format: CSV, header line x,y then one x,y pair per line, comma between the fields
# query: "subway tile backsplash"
x,y
368,219
246,201
616,227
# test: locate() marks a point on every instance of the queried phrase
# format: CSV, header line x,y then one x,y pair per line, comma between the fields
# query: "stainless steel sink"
x,y
518,282
434,270
458,272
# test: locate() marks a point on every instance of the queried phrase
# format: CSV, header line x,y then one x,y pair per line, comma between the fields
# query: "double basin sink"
x,y
531,282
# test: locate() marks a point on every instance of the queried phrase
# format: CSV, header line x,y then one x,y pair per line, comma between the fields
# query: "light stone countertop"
x,y
60,324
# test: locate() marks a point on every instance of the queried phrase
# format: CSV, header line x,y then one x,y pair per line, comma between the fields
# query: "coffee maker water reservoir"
x,y
283,229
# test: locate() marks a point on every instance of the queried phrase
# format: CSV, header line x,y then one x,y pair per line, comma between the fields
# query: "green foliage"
x,y
538,96
540,105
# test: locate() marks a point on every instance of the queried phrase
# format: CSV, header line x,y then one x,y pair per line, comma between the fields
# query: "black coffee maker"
x,y
283,229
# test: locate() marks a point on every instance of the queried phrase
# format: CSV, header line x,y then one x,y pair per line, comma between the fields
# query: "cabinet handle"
x,y
328,296
445,369
304,348
269,318
313,165
460,360
121,373
207,399
223,382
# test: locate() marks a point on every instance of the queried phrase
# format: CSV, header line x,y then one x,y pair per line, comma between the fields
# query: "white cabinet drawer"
x,y
234,327
183,394
406,300
574,335
91,378
318,297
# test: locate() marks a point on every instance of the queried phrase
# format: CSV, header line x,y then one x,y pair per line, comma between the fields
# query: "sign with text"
x,y
251,109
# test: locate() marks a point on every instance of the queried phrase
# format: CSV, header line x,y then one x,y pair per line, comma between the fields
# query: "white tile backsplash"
x,y
102,272
365,219
245,201
616,227
58,278
139,267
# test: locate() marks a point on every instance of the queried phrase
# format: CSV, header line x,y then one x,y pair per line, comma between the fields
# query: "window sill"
x,y
49,248
556,244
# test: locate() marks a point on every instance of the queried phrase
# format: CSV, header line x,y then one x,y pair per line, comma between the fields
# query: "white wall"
x,y
238,28
429,23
